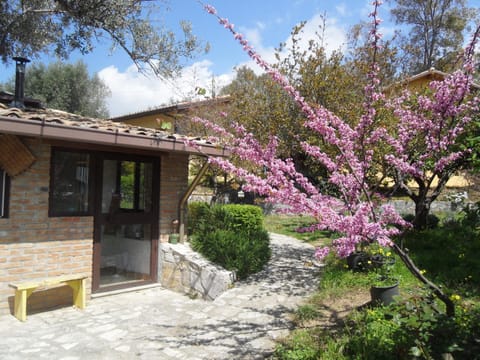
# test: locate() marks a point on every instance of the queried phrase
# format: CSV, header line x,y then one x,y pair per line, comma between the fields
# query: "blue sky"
x,y
265,23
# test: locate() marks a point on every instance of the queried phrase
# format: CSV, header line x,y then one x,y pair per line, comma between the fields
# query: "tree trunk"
x,y
422,210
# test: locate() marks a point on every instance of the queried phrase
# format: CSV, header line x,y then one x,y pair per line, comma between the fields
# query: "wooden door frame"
x,y
99,218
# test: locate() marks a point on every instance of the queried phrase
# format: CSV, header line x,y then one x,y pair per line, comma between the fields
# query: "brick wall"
x,y
173,184
32,245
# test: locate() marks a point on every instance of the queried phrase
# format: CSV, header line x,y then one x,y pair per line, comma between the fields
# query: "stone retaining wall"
x,y
408,207
403,207
183,270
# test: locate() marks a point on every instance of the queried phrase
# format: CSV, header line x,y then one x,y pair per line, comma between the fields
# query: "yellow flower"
x,y
455,297
388,254
423,271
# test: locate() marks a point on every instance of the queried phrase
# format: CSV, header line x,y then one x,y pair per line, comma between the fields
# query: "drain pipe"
x,y
183,200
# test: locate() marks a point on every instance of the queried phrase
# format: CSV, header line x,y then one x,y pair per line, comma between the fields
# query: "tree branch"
x,y
449,305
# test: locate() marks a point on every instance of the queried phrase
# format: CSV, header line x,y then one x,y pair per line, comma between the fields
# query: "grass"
x,y
290,225
449,257
409,329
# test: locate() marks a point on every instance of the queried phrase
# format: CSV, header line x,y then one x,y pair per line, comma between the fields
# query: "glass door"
x,y
126,223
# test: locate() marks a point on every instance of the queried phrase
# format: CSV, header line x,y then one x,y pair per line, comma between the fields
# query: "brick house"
x,y
85,196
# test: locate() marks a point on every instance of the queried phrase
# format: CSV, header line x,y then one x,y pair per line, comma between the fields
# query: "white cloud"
x,y
335,38
133,91
334,35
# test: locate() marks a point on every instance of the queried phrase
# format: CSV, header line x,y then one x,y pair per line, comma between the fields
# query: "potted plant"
x,y
358,260
174,237
385,285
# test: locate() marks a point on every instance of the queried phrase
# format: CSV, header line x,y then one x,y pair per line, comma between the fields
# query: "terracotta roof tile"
x,y
59,117
65,120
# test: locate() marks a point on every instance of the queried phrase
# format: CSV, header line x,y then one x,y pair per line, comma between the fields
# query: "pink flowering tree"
x,y
427,148
357,213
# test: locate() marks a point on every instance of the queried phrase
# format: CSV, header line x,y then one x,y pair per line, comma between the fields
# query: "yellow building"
x,y
176,118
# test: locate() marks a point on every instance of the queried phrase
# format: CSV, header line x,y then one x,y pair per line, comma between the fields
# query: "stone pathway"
x,y
156,323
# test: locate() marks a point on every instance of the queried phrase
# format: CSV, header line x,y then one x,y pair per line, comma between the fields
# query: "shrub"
x,y
413,329
232,236
409,217
432,220
372,336
470,215
197,211
246,253
203,218
243,217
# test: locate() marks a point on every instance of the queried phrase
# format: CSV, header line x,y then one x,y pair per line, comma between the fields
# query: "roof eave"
x,y
103,137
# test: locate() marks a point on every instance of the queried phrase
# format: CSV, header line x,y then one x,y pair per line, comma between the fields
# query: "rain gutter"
x,y
79,134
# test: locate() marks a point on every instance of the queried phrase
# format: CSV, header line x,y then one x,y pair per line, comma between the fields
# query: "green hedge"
x,y
203,218
232,236
197,211
243,217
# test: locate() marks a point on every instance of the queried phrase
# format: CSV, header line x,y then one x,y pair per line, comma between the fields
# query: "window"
x,y
126,187
4,192
70,186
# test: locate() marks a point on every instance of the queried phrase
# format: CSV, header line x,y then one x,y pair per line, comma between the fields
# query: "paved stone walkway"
x,y
156,323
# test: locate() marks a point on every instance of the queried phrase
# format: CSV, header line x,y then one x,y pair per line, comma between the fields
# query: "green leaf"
x,y
166,125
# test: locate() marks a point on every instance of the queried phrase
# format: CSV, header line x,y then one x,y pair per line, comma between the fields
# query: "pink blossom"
x,y
422,144
210,9
321,253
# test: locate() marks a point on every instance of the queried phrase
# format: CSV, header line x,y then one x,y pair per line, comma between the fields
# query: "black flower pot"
x,y
357,261
384,295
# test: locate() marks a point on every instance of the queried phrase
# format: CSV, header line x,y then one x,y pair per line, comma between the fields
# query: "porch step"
x,y
125,290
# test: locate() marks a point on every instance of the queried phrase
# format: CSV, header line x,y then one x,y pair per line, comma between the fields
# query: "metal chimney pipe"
x,y
18,100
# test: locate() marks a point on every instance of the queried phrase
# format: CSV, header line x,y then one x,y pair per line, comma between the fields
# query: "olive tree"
x,y
31,27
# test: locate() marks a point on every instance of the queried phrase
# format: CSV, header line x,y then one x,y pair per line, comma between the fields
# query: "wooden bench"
x,y
24,290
